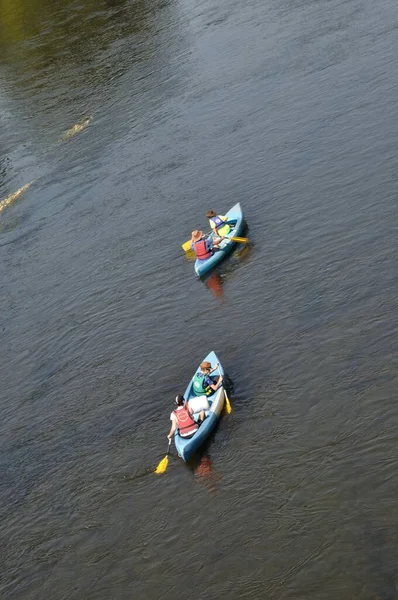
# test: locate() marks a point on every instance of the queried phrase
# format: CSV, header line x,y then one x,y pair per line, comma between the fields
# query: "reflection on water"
x,y
223,273
190,255
14,196
205,473
58,64
76,129
100,319
215,284
11,198
31,32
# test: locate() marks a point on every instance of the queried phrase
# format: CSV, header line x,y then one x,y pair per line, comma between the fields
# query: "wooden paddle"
x,y
162,466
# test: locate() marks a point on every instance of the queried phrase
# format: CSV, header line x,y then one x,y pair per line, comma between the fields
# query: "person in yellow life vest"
x,y
181,419
218,223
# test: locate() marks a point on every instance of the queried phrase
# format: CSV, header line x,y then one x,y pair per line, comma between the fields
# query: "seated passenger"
x,y
217,223
182,420
203,248
199,404
203,383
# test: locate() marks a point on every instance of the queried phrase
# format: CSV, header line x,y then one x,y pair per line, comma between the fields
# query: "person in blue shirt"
x,y
203,247
203,383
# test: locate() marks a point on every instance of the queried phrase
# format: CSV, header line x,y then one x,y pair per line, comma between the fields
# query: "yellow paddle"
x,y
227,402
243,240
162,466
239,239
186,245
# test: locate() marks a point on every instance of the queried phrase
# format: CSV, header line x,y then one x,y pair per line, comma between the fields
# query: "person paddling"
x,y
182,420
203,248
218,223
203,383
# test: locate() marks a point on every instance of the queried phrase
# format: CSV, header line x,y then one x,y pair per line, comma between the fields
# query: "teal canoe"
x,y
186,447
236,222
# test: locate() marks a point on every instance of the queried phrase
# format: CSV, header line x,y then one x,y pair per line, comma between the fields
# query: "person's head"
x,y
179,400
210,214
205,366
197,235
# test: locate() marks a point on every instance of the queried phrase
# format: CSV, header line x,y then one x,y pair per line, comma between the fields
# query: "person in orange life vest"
x,y
218,223
203,248
182,420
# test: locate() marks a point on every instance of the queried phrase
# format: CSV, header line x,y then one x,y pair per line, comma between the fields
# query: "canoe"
x,y
236,222
186,447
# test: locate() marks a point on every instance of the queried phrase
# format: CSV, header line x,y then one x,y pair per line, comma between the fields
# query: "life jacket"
x,y
186,424
218,221
199,386
201,251
220,225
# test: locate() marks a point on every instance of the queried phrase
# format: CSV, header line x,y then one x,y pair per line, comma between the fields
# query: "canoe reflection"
x,y
219,276
204,473
214,284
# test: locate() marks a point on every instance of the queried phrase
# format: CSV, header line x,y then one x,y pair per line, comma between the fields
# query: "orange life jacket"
x,y
201,250
186,424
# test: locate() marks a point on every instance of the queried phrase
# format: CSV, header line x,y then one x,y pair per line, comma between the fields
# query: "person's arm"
x,y
210,245
173,427
213,226
217,242
215,386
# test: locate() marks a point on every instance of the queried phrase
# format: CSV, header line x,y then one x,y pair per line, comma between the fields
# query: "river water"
x,y
290,108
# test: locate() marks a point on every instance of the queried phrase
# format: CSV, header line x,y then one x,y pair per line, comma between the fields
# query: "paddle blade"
x,y
186,246
190,255
227,403
162,466
242,240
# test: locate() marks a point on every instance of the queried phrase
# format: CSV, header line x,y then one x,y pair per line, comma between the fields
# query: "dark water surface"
x,y
289,107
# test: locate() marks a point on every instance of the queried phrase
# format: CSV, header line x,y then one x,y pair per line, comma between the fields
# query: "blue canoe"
x,y
186,447
235,221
